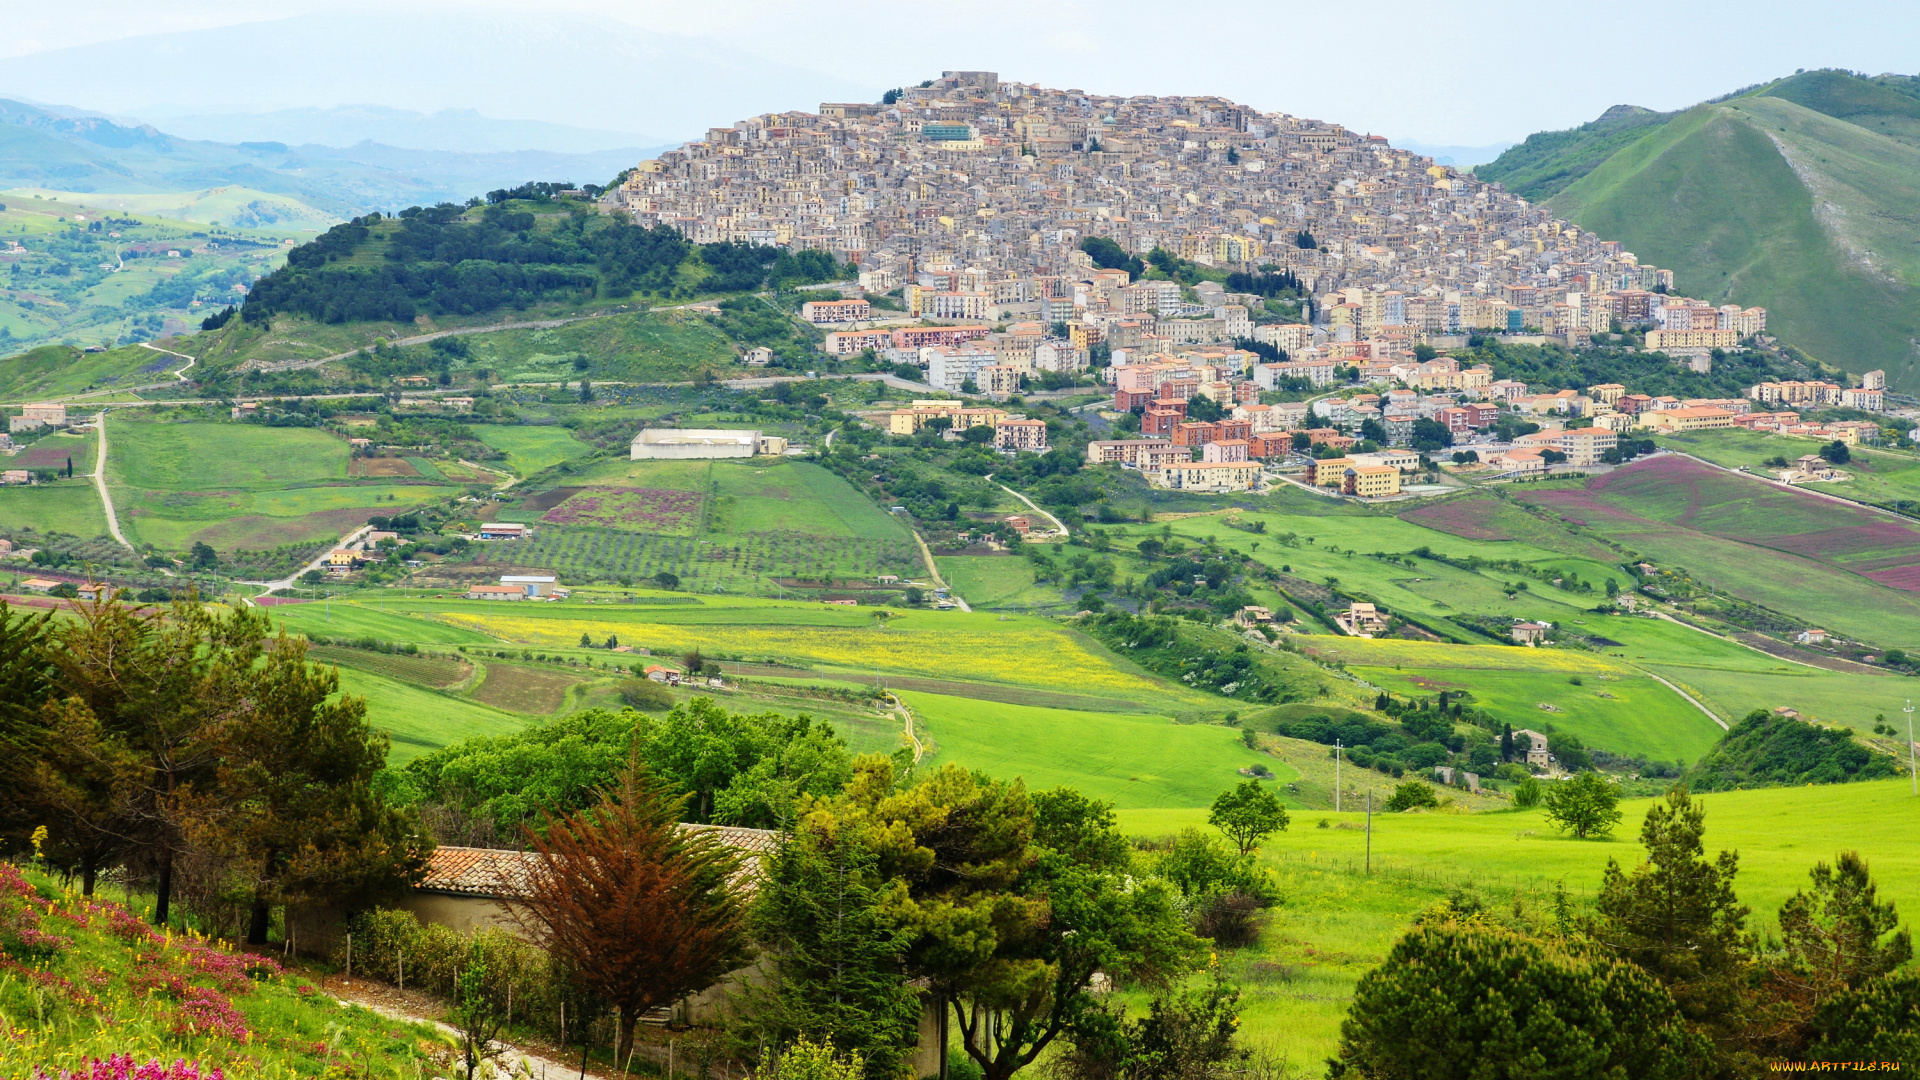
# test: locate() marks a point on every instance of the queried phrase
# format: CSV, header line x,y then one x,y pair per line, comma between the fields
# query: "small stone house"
x,y
1536,744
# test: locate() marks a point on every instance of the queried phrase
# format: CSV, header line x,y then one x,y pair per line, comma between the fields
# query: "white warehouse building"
x,y
654,443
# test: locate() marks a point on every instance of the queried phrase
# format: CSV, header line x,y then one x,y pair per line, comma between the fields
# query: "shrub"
x,y
1409,795
1526,794
646,695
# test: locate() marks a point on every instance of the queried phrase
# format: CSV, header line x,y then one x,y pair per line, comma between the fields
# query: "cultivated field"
x,y
1788,550
1128,759
1614,706
530,449
419,719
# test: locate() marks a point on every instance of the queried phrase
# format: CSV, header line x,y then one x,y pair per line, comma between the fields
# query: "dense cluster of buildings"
x,y
969,199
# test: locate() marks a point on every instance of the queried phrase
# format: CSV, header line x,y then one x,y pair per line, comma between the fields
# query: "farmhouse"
x,y
503,530
496,592
1361,620
1537,754
39,585
1530,633
16,476
688,443
35,417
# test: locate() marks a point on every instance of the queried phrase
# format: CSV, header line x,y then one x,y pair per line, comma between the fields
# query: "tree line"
x,y
190,748
457,260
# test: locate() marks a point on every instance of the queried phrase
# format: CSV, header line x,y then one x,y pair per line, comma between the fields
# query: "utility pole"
x,y
1369,830
1336,776
1911,770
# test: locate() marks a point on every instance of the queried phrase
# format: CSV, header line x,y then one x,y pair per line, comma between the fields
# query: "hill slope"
x,y
1796,197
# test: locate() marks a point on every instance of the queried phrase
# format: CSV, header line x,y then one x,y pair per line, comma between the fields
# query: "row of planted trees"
x,y
190,748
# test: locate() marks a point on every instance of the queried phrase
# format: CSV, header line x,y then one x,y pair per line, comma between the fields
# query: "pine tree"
x,y
1676,915
839,973
1838,936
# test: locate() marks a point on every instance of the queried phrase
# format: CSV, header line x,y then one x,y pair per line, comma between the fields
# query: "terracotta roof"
x,y
494,873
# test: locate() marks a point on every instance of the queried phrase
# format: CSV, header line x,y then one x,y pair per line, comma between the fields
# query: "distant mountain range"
x,y
1798,195
599,74
65,150
455,130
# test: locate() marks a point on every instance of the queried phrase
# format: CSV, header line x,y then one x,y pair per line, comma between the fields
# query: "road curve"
x,y
100,477
319,561
182,373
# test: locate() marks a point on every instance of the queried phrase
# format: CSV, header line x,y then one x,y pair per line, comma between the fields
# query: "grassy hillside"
x,y
1550,160
95,271
1794,197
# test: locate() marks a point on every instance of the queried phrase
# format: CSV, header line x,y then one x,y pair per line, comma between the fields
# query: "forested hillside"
x,y
1794,196
513,252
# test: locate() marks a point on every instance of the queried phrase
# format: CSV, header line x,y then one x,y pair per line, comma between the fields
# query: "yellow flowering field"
x,y
1025,655
1388,652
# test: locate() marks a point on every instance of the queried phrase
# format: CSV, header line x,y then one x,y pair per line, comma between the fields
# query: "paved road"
x,y
100,478
318,562
1690,700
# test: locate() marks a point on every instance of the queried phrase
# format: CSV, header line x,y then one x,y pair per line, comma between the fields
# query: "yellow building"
x,y
1330,471
910,420
1371,481
1692,339
1210,476
1687,419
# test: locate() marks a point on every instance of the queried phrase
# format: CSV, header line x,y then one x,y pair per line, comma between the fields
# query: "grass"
x,y
1614,707
1128,759
53,371
996,581
241,485
1431,590
530,448
1337,921
1787,550
70,506
1874,476
175,456
420,720
794,496
666,346
436,672
1710,195
345,619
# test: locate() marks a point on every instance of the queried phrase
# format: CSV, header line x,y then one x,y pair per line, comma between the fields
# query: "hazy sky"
x,y
1424,70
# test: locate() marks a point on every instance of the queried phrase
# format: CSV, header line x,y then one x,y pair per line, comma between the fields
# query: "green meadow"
x,y
530,448
1338,920
420,720
793,496
70,506
1130,760
1873,475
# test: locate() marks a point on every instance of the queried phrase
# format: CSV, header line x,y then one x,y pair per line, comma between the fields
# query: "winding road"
x,y
180,374
100,477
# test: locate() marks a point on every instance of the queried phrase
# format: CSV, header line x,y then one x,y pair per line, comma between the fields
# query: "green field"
x,y
1787,550
669,346
1615,706
54,371
530,448
241,485
1338,921
70,507
996,581
342,619
1129,760
793,496
1337,548
160,455
1874,475
420,720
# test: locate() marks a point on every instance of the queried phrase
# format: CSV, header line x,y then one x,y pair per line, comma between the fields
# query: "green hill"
x,y
1795,196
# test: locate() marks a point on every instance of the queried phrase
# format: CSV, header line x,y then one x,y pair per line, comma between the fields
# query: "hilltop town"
x,y
1192,247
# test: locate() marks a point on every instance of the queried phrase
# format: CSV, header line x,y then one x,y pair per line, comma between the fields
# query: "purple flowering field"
x,y
650,510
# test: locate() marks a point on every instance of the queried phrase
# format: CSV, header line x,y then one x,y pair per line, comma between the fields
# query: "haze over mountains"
x,y
1796,196
595,73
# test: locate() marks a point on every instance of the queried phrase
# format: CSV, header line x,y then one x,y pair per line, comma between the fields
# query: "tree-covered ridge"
x,y
1767,749
454,260
1555,367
